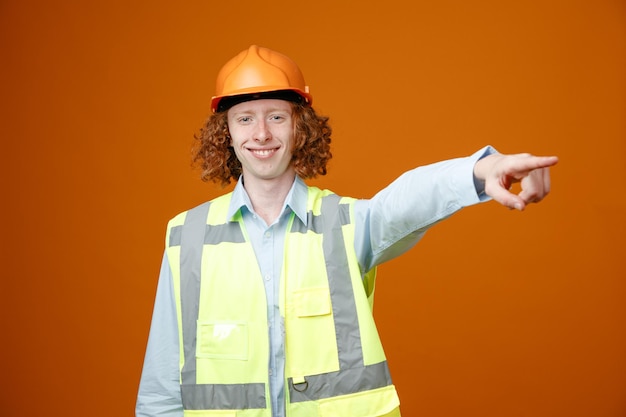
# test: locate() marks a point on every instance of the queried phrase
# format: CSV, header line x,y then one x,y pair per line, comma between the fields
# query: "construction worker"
x,y
263,305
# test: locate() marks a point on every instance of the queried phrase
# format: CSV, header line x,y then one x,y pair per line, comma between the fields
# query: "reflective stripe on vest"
x,y
353,375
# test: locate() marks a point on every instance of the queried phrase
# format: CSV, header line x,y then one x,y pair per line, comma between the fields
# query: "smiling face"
x,y
262,134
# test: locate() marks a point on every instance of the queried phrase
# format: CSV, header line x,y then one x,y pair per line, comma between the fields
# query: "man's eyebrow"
x,y
269,110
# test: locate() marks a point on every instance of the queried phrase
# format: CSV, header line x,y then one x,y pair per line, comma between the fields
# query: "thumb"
x,y
503,196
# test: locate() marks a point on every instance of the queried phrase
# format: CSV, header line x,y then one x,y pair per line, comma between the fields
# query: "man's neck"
x,y
268,197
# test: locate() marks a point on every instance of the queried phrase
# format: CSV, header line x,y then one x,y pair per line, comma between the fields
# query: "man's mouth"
x,y
263,152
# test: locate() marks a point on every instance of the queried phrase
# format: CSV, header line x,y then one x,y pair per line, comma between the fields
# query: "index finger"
x,y
534,162
521,164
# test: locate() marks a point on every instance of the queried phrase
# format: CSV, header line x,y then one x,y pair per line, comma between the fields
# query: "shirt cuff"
x,y
470,189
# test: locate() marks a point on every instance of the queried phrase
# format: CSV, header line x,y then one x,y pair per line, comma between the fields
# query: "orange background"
x,y
494,313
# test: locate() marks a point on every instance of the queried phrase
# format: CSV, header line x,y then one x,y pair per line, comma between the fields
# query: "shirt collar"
x,y
296,200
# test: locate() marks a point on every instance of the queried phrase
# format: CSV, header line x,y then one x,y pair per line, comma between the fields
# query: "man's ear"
x,y
230,140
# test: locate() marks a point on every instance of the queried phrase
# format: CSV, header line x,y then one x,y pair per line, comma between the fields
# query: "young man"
x,y
263,302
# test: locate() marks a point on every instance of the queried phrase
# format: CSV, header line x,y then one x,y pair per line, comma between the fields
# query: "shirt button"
x,y
268,234
270,371
267,277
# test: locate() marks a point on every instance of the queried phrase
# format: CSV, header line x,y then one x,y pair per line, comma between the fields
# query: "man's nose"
x,y
262,133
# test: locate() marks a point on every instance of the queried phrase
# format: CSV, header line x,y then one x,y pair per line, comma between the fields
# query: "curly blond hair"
x,y
216,159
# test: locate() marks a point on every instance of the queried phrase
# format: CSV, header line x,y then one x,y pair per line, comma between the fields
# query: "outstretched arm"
x,y
499,172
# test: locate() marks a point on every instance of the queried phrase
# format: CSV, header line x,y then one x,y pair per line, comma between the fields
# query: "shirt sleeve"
x,y
396,218
159,387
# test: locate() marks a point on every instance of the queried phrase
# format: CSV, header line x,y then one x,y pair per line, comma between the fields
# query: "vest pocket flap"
x,y
381,402
309,302
223,340
210,413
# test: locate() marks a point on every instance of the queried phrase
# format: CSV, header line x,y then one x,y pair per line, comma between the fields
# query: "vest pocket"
x,y
310,333
375,403
310,302
222,340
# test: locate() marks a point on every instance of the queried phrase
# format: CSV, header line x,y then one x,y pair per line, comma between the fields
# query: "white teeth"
x,y
263,152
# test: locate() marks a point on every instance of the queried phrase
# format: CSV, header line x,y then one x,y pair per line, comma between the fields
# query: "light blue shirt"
x,y
386,226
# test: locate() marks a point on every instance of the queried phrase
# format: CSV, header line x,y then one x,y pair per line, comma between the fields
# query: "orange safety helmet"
x,y
258,73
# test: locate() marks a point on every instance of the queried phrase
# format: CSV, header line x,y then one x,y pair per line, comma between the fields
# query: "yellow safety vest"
x,y
335,364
